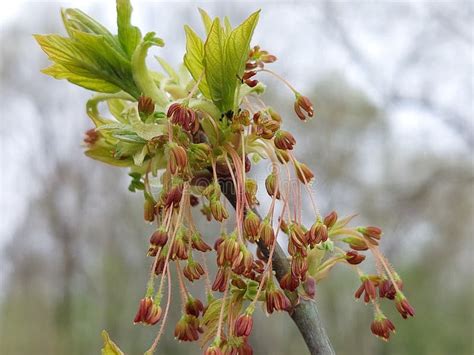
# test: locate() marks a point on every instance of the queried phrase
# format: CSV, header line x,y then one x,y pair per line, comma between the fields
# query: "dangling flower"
x,y
271,185
199,244
403,307
289,282
251,226
387,289
266,234
382,326
275,299
284,140
187,328
304,173
367,288
148,312
303,107
221,280
193,306
178,158
193,270
159,237
243,325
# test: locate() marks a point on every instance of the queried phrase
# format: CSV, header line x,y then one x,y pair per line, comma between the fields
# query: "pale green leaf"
x,y
194,59
110,348
129,36
227,25
88,56
238,45
58,71
206,20
216,70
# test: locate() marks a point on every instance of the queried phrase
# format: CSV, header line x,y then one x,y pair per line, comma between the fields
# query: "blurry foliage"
x,y
52,300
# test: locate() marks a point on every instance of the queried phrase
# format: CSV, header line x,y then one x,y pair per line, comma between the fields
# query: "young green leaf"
x,y
194,59
216,71
110,348
142,75
238,45
129,36
206,20
88,60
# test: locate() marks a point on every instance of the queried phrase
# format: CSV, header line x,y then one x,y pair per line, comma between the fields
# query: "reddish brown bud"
x,y
218,210
159,237
248,74
318,233
382,327
267,235
221,280
179,249
148,312
367,288
182,116
354,257
403,307
187,328
199,244
299,267
303,107
289,282
251,83
387,289
91,137
193,271
251,226
276,300
330,219
372,234
304,174
243,325
178,158
173,197
146,105
297,236
284,140
193,307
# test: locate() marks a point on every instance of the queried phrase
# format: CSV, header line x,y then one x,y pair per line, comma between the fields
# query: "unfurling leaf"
x,y
110,348
129,36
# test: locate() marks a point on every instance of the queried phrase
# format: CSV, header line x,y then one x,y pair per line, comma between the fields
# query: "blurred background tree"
x,y
392,141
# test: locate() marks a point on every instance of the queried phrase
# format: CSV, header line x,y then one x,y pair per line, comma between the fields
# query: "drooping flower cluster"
x,y
190,139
